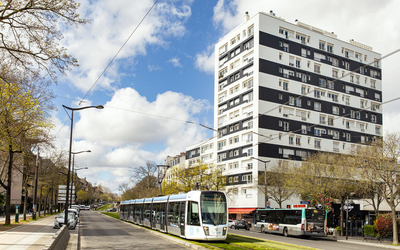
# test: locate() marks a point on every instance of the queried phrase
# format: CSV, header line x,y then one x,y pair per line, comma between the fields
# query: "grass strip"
x,y
112,214
235,241
104,207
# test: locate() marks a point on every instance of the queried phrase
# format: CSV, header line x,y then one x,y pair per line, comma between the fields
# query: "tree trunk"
x,y
40,201
25,201
8,190
341,215
395,231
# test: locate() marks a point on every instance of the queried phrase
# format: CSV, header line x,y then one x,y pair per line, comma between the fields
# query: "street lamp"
x,y
265,179
73,164
347,214
70,152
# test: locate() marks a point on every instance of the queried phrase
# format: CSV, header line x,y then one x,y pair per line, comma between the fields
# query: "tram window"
x,y
193,214
170,214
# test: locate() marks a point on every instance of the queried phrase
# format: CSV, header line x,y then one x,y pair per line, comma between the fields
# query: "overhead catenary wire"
x,y
112,60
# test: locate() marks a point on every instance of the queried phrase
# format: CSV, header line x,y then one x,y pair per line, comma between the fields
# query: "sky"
x,y
164,74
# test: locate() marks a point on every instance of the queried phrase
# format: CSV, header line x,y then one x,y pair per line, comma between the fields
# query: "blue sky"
x,y
166,69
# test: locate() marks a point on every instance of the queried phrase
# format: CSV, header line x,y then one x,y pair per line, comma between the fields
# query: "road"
x,y
319,243
102,232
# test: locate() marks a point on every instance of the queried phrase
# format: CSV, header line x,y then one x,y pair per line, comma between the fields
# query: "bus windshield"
x,y
213,208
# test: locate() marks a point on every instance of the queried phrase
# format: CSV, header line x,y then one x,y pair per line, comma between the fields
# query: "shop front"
x,y
247,214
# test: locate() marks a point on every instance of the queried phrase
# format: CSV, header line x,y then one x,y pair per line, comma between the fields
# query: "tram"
x,y
197,215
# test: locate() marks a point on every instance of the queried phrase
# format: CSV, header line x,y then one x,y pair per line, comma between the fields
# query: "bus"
x,y
305,222
197,215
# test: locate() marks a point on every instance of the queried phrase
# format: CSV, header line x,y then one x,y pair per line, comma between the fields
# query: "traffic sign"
x,y
305,202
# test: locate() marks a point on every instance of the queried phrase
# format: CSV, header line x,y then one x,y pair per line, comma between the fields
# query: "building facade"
x,y
284,91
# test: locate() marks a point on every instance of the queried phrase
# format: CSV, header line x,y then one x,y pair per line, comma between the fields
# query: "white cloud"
x,y
118,137
142,123
154,67
175,62
95,44
205,61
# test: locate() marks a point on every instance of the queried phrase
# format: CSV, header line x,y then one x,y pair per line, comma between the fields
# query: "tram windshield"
x,y
213,208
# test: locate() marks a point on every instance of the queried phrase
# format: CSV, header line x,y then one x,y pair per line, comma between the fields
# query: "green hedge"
x,y
370,230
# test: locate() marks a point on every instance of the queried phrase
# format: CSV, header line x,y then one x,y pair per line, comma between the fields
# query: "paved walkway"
x,y
34,236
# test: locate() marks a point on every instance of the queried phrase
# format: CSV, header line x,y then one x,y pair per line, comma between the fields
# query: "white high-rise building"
x,y
284,91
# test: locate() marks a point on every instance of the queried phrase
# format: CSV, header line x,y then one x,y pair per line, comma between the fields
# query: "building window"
x,y
298,141
291,140
317,144
285,85
250,30
317,68
248,45
329,48
317,106
322,45
223,49
285,126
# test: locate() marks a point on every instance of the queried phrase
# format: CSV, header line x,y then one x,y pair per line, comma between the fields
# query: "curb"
x,y
370,244
162,235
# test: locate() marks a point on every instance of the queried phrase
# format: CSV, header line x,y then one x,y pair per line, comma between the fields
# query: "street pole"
x,y
72,185
347,217
69,170
265,183
69,157
35,189
265,180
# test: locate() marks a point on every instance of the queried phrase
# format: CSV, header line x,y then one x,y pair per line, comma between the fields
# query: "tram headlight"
x,y
206,230
224,232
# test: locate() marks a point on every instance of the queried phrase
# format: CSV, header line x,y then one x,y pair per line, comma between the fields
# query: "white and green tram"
x,y
197,215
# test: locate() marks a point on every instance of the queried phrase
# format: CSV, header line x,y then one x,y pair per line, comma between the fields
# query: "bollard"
x,y
334,233
17,213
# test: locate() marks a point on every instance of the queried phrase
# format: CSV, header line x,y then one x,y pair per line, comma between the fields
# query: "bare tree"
x,y
379,164
29,36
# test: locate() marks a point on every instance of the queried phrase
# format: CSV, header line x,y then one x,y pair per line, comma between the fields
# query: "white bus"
x,y
302,221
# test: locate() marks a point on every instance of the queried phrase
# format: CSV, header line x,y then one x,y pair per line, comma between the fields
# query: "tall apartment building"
x,y
284,91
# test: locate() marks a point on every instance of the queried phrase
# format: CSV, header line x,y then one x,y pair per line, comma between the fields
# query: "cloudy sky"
x,y
164,74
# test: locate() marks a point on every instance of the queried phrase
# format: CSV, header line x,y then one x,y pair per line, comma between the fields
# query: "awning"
x,y
241,210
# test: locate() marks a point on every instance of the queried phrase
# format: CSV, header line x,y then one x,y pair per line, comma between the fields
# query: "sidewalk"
x,y
34,235
360,241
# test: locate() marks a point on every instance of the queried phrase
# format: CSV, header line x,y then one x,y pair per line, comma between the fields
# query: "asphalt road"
x,y
319,243
102,232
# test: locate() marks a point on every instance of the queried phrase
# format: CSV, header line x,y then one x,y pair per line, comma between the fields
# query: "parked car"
x,y
113,209
76,207
242,224
59,221
75,212
82,207
231,223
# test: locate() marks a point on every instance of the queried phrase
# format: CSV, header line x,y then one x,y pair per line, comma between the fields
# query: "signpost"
x,y
62,193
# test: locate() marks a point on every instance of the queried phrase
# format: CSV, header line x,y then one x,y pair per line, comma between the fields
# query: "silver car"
x,y
60,220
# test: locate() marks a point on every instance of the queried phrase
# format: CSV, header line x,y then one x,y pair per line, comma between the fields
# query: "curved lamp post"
x,y
73,164
265,179
70,152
